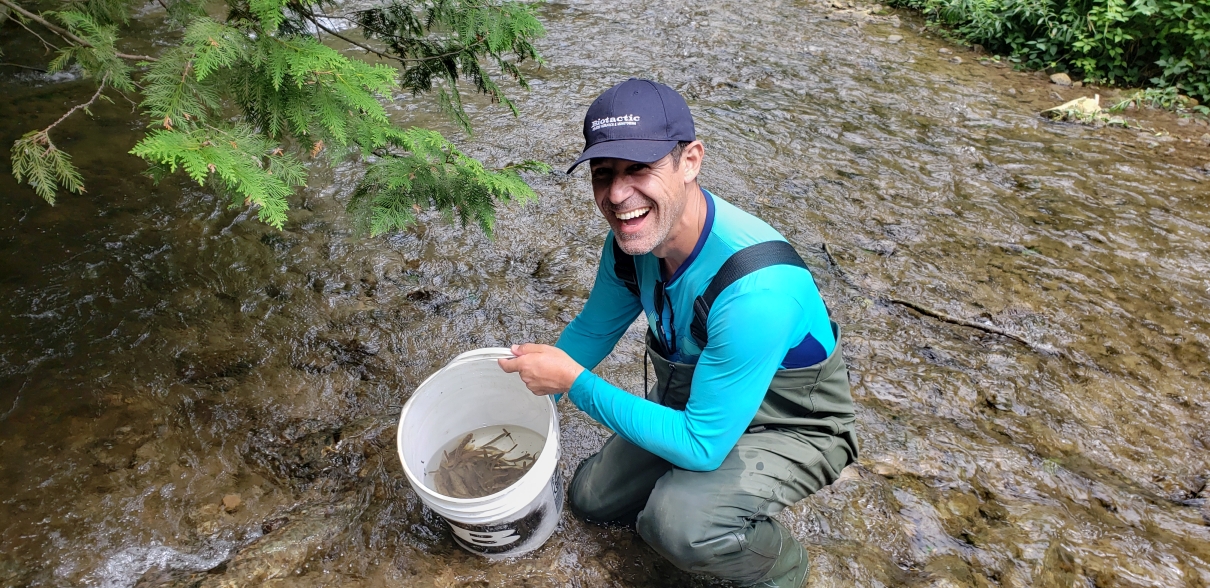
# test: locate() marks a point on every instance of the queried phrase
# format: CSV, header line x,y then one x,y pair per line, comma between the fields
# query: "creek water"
x,y
159,351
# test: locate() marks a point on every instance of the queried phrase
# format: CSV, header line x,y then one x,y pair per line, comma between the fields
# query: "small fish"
x,y
468,471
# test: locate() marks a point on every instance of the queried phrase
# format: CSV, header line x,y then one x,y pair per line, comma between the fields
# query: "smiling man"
x,y
751,410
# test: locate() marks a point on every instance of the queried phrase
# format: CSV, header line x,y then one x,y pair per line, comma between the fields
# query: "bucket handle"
x,y
485,353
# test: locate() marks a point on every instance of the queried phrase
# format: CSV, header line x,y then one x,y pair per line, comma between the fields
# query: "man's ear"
x,y
691,160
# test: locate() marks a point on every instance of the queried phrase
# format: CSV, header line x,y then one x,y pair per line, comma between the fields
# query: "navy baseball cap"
x,y
636,120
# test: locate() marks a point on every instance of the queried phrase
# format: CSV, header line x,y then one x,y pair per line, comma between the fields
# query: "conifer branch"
x,y
83,106
310,16
64,33
315,21
49,26
48,44
264,64
36,159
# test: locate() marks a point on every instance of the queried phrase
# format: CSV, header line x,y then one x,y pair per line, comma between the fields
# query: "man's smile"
x,y
633,214
632,221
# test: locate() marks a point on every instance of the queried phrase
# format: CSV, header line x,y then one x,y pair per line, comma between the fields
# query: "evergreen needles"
x,y
238,104
37,161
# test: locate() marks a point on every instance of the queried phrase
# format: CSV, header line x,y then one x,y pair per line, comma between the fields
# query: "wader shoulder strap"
x,y
740,264
624,269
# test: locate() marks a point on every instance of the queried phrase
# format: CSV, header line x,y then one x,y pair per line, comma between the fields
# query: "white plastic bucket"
x,y
469,393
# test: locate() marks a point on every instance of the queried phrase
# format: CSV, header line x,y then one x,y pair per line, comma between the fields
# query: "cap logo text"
x,y
615,121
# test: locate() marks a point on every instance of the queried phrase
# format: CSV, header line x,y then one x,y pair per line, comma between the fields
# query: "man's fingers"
x,y
510,365
544,369
525,348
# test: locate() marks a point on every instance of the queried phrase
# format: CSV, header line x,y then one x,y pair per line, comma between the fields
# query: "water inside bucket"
x,y
484,461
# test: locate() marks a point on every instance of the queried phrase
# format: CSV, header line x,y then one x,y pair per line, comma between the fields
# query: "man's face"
x,y
641,201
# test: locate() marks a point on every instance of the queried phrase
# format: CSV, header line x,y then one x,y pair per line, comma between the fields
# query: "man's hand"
x,y
544,369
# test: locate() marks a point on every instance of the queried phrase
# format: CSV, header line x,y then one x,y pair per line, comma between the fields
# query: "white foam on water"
x,y
126,566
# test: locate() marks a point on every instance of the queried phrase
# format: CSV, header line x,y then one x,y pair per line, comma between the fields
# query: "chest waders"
x,y
814,399
721,522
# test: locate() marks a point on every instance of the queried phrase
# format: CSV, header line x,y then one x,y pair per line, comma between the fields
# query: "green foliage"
x,y
1165,43
1163,98
250,166
100,61
237,104
464,28
37,161
433,174
105,12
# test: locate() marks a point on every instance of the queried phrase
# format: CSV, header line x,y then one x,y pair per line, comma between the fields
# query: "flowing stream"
x,y
161,354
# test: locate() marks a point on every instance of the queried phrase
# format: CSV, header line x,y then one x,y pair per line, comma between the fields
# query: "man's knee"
x,y
588,501
613,485
679,523
670,526
685,525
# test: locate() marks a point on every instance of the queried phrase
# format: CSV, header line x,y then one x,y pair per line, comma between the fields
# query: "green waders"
x,y
720,522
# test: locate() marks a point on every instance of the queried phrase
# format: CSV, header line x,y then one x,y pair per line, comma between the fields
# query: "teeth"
x,y
632,214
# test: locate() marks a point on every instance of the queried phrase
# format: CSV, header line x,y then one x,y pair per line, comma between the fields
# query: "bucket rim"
x,y
552,435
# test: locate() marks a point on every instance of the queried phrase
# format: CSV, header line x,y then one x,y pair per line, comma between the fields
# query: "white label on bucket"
x,y
488,538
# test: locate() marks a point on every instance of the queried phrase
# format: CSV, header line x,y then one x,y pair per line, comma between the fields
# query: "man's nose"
x,y
620,189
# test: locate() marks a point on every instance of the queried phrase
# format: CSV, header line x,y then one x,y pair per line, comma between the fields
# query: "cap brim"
x,y
640,150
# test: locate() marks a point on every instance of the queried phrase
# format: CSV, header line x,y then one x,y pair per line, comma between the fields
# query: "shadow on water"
x,y
159,352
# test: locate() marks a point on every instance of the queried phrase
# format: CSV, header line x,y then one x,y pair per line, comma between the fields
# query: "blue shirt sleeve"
x,y
729,383
609,311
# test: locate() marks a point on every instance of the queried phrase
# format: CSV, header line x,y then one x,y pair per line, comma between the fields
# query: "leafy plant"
x,y
1085,111
239,103
1163,98
1164,43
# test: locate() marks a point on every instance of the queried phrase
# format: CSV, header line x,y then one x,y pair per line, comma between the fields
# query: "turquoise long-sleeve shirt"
x,y
770,319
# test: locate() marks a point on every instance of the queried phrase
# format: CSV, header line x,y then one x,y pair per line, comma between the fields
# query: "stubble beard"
x,y
644,242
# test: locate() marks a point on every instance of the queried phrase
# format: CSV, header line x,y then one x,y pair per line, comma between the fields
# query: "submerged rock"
x,y
313,454
280,553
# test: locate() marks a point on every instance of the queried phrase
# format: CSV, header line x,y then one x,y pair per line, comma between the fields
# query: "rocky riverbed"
x,y
189,398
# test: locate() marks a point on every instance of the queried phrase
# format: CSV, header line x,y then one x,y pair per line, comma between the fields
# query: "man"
x,y
751,410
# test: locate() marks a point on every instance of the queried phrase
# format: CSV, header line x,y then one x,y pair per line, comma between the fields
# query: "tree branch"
x,y
1040,347
827,251
48,44
404,60
73,109
957,321
311,17
64,33
67,35
38,69
135,57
